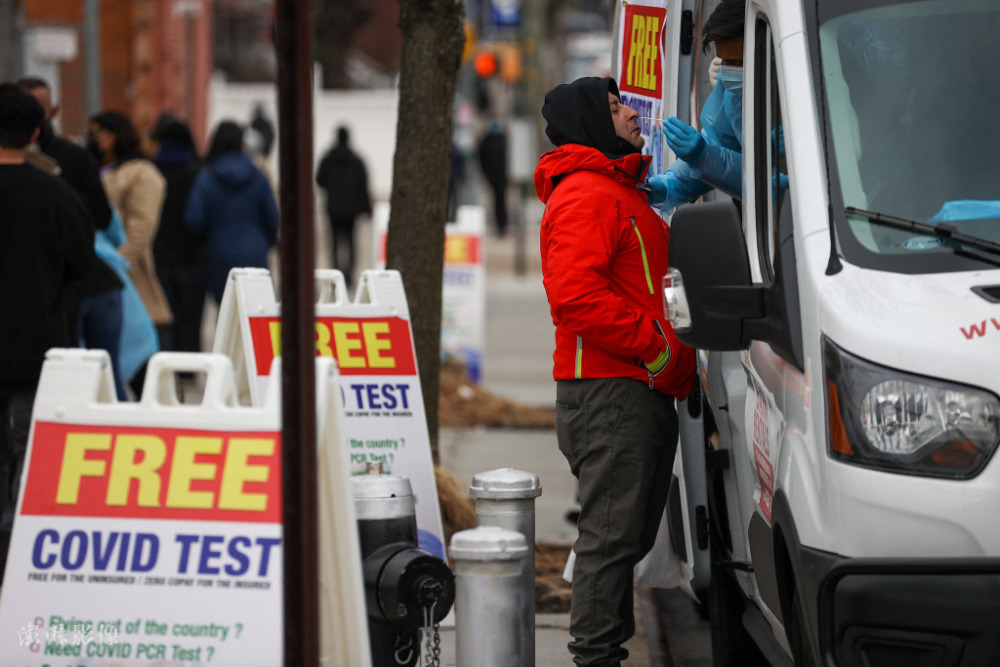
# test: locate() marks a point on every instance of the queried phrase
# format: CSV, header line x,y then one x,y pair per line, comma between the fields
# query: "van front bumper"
x,y
927,612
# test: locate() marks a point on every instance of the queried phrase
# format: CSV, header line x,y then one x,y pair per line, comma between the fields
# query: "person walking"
x,y
135,189
46,245
95,316
232,208
177,249
493,162
618,365
342,175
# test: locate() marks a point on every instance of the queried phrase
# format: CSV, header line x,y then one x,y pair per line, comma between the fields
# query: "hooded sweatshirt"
x,y
233,208
604,250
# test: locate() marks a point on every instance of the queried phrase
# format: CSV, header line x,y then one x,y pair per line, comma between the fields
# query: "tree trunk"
x,y
432,48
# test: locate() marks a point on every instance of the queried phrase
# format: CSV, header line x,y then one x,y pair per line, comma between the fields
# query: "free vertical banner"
x,y
463,290
463,296
641,64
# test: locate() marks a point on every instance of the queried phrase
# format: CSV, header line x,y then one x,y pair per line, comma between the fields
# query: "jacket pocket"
x,y
573,432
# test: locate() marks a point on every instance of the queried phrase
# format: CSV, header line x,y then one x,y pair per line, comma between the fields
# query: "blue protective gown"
x,y
719,165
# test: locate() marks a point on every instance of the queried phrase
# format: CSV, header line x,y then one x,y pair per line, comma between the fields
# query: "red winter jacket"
x,y
604,254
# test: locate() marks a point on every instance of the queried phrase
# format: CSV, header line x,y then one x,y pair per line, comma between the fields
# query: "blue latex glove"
x,y
677,185
683,139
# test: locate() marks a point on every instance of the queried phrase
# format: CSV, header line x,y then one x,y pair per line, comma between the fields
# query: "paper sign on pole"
x,y
151,533
463,292
372,342
640,67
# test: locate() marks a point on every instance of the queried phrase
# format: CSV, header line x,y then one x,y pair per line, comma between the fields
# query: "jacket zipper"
x,y
579,357
642,250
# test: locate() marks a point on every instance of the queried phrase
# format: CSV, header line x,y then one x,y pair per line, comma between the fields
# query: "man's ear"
x,y
34,136
53,112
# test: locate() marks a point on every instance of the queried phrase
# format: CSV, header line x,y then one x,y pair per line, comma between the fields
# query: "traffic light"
x,y
485,63
502,59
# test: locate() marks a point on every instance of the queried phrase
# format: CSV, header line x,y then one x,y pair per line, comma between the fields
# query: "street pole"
x,y
11,26
294,47
92,59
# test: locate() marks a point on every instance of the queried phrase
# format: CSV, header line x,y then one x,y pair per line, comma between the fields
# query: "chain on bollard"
x,y
407,589
506,498
432,634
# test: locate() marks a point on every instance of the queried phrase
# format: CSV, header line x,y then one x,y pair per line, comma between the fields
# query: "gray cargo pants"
x,y
619,437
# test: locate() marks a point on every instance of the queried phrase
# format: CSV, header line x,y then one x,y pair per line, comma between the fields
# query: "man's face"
x,y
624,119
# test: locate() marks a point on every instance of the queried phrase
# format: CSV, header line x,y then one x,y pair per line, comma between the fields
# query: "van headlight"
x,y
886,418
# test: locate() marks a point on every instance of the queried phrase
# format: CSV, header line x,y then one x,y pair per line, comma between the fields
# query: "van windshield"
x,y
913,98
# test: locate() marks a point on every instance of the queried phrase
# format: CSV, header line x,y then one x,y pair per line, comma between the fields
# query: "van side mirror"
x,y
727,310
708,248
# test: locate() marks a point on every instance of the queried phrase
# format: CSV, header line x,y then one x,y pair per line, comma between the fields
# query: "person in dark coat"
x,y
232,208
343,176
94,313
46,244
493,161
177,249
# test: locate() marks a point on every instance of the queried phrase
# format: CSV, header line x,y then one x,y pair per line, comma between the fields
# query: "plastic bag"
x,y
660,568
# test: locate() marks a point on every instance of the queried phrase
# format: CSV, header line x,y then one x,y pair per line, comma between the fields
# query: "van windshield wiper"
x,y
940,230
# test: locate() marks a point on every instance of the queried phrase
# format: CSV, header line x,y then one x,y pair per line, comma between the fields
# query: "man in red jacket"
x,y
617,363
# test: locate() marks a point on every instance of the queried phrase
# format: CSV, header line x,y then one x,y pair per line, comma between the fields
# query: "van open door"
x,y
653,62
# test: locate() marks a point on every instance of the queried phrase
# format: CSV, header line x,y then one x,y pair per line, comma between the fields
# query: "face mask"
x,y
732,78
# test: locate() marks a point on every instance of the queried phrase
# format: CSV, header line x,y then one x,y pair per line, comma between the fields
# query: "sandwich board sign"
x,y
151,533
371,340
463,291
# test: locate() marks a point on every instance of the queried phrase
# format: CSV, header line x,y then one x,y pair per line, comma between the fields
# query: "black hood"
x,y
578,113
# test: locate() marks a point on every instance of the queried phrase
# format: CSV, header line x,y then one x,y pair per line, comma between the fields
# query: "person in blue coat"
x,y
232,207
711,158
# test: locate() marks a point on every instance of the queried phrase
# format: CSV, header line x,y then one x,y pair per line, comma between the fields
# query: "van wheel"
x,y
801,652
732,645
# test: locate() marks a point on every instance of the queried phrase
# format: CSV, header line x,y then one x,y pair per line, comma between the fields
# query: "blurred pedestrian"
x,y
342,175
139,339
493,161
46,243
232,208
177,249
136,189
263,126
456,180
96,317
258,140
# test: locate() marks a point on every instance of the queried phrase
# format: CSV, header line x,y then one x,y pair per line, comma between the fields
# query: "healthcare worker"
x,y
711,158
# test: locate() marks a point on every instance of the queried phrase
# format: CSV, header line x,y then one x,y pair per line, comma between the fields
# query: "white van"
x,y
848,322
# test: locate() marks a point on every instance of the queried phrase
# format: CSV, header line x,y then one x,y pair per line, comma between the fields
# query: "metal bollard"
x,y
488,563
506,498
